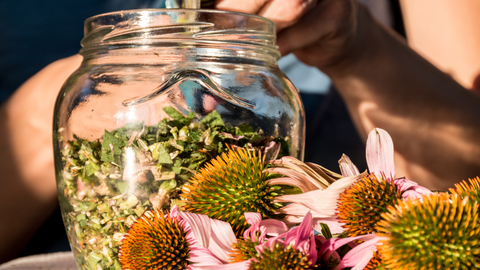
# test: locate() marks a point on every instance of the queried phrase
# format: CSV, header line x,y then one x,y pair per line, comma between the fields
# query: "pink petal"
x,y
254,220
274,227
300,235
380,153
231,266
333,224
333,244
203,256
410,189
222,239
303,181
200,226
359,256
322,203
347,167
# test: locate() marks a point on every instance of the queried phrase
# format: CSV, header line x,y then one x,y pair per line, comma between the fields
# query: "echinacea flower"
x,y
269,244
230,185
468,189
381,163
177,240
357,258
439,232
255,235
321,188
361,205
294,249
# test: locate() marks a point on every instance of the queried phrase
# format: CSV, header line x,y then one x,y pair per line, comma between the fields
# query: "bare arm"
x,y
433,120
27,186
447,33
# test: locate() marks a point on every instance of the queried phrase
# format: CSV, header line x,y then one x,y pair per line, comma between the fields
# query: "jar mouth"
x,y
156,26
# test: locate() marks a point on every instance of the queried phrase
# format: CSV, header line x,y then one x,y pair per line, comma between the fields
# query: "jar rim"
x,y
160,25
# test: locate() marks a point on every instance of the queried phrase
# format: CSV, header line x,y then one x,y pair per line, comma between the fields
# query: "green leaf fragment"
x,y
161,155
174,114
326,231
213,119
111,147
168,185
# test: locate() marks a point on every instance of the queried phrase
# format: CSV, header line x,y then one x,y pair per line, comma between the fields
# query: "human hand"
x,y
321,33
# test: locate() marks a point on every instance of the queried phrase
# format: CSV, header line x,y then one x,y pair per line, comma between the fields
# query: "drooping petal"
x,y
265,227
335,226
410,189
380,153
302,238
212,238
274,227
200,226
347,167
222,239
360,255
333,244
231,266
309,174
322,203
304,182
199,256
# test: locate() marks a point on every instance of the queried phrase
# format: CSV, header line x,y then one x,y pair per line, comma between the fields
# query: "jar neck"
x,y
182,34
174,52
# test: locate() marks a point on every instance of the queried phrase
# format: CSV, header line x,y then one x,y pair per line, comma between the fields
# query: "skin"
x,y
28,188
447,34
433,120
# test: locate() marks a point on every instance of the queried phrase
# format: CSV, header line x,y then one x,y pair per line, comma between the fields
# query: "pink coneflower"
x,y
295,248
361,206
381,163
321,189
268,244
177,240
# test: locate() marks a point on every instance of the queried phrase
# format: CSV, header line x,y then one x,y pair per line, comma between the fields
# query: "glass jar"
x,y
158,94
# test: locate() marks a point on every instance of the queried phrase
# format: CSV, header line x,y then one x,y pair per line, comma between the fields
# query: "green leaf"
x,y
245,128
90,168
213,119
326,231
174,114
189,118
168,185
163,155
122,186
110,142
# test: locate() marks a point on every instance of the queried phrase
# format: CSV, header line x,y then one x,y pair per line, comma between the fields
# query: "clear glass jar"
x,y
159,93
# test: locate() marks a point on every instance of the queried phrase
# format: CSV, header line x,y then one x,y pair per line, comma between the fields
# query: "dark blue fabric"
x,y
35,33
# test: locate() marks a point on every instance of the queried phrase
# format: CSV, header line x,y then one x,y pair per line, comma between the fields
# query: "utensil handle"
x,y
193,4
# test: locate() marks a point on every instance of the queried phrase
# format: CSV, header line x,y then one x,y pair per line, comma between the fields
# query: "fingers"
x,y
286,12
245,6
329,23
283,12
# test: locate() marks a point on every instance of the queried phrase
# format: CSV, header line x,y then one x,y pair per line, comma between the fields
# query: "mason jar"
x,y
159,93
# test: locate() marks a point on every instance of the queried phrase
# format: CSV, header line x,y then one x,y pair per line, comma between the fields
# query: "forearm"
x,y
433,120
446,33
27,186
28,191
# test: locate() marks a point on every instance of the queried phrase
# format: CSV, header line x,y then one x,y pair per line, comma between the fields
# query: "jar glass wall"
x,y
159,94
